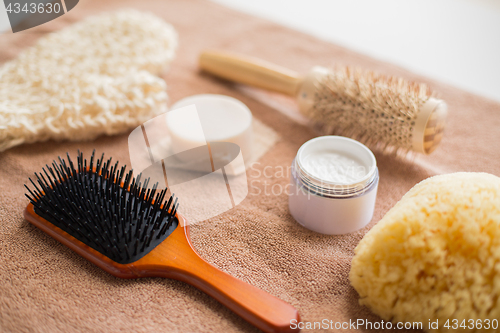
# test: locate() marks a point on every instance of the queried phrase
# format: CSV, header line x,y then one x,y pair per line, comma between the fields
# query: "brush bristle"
x,y
375,109
103,207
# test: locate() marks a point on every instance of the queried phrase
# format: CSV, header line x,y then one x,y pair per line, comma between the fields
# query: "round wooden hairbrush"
x,y
384,112
108,217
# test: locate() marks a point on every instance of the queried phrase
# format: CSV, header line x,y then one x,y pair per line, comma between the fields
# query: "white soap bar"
x,y
223,119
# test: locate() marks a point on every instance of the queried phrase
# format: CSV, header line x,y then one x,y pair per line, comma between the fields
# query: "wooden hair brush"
x,y
384,112
107,217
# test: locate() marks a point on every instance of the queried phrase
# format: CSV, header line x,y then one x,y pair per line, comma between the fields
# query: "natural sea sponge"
x,y
435,254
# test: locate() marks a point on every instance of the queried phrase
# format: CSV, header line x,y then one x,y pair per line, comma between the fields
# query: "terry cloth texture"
x,y
45,287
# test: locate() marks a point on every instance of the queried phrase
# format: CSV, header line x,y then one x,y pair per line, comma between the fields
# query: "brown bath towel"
x,y
45,287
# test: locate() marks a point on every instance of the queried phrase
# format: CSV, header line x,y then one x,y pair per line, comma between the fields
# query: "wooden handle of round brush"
x,y
251,71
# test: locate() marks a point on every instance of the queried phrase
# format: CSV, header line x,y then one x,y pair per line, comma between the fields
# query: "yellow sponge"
x,y
436,254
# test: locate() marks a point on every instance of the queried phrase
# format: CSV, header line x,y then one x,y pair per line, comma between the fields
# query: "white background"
x,y
453,41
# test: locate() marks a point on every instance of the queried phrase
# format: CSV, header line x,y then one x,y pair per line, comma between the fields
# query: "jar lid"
x,y
335,166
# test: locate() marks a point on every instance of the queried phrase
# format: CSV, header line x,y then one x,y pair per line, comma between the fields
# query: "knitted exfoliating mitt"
x,y
435,255
98,76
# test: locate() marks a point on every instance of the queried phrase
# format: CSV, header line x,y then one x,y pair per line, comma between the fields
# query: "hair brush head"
x,y
384,112
101,206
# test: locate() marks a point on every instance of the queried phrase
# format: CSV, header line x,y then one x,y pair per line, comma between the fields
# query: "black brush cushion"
x,y
101,206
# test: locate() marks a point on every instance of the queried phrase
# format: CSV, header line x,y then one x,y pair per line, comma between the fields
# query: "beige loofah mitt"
x,y
435,256
98,76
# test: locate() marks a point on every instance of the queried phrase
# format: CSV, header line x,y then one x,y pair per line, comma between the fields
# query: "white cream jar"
x,y
334,184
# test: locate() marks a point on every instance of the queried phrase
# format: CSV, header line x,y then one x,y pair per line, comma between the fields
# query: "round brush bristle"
x,y
378,110
104,207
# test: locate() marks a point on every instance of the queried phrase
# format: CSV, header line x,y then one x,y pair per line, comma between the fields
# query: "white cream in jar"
x,y
334,184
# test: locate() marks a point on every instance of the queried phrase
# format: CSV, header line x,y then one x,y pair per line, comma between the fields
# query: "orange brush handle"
x,y
181,262
175,258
